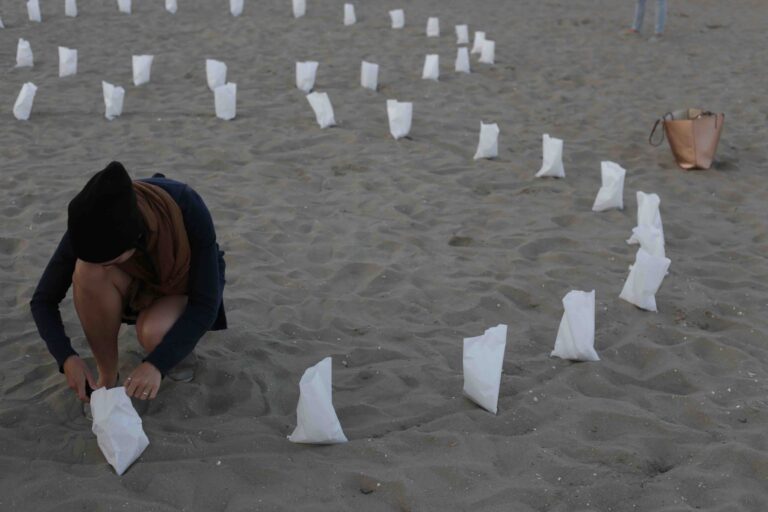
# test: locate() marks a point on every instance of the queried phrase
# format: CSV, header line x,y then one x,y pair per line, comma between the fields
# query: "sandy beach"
x,y
385,254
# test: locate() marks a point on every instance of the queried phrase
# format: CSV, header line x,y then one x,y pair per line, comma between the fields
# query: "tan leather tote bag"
x,y
693,136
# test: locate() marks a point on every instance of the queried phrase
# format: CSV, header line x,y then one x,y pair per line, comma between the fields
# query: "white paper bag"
x,y
142,67
33,10
215,73
171,6
305,75
488,146
369,75
316,420
644,280
431,69
398,18
70,8
462,60
462,34
400,115
113,100
433,27
299,8
67,62
650,239
24,58
23,106
477,46
117,426
349,14
483,360
488,52
225,101
124,6
611,193
552,165
321,104
576,335
648,214
236,7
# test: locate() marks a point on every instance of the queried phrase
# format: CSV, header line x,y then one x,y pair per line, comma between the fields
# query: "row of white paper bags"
x,y
70,8
113,101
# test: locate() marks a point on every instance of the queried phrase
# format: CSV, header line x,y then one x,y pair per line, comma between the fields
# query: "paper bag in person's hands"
x,y
117,427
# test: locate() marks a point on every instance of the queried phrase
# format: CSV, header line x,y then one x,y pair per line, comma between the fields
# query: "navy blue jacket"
x,y
205,307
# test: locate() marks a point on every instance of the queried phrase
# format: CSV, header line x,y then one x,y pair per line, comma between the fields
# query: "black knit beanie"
x,y
104,220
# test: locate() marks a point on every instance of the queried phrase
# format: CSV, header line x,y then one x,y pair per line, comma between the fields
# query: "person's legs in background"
x,y
637,24
661,16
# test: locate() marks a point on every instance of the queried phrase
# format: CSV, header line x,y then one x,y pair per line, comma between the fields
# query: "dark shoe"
x,y
185,370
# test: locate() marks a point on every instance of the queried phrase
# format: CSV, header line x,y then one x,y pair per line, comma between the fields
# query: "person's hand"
x,y
78,374
143,382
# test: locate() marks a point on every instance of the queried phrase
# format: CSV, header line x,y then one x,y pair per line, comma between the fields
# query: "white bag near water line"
x,y
488,145
611,193
349,15
400,114
321,104
305,75
171,6
124,6
23,106
369,75
113,100
398,18
648,213
477,46
24,57
552,165
433,27
483,358
488,52
462,60
67,62
236,7
117,426
316,419
225,101
431,69
299,8
462,34
576,334
33,11
70,8
142,68
215,73
644,280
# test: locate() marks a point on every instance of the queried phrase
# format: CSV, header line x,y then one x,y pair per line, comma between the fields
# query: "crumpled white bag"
x,y
349,15
33,11
611,193
321,104
215,73
400,114
648,214
67,62
644,280
171,6
462,60
483,360
488,145
433,27
552,165
142,68
462,34
124,6
299,8
369,75
316,420
23,106
305,75
488,52
24,58
236,7
70,8
398,18
117,426
431,69
650,239
576,335
225,101
113,100
477,45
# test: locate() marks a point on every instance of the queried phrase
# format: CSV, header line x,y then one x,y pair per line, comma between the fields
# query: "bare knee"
x,y
155,322
150,331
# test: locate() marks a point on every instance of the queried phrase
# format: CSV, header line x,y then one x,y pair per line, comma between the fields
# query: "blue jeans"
x,y
661,15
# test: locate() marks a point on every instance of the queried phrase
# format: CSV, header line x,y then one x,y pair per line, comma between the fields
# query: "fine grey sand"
x,y
385,254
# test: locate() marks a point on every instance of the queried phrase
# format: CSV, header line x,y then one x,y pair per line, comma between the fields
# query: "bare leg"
x,y
99,293
155,321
